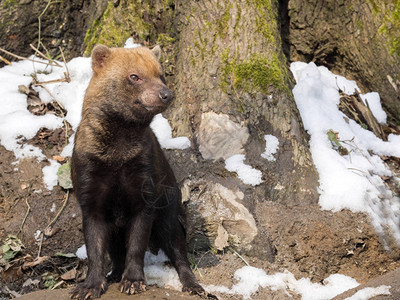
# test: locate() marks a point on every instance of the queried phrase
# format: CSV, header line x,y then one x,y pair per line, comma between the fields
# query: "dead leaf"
x,y
23,89
70,275
37,261
60,159
12,273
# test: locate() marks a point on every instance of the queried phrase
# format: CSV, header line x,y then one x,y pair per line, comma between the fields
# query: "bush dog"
x,y
127,191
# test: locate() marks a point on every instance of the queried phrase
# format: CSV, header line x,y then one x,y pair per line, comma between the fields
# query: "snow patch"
x,y
250,279
246,173
370,292
163,132
50,178
130,43
271,147
350,181
81,252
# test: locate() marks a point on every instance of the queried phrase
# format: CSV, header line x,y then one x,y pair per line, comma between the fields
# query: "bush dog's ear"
x,y
157,52
100,54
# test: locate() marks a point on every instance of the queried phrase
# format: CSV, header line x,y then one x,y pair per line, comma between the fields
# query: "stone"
x,y
219,137
218,212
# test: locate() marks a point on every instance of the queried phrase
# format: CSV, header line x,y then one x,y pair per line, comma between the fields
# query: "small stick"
x,y
67,77
40,245
51,95
44,56
60,211
25,58
5,60
26,215
50,81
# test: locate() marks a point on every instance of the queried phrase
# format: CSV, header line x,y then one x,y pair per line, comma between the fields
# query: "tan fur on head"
x,y
157,52
99,56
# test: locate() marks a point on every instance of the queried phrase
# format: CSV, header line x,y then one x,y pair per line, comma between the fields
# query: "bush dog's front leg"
x,y
138,235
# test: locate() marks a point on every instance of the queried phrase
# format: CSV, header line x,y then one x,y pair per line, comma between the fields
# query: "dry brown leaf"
x,y
60,159
37,261
70,275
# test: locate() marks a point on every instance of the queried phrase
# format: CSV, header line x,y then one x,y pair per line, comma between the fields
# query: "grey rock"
x,y
219,137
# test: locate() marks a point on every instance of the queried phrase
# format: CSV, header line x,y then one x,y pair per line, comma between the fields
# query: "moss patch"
x,y
258,73
391,28
8,3
118,24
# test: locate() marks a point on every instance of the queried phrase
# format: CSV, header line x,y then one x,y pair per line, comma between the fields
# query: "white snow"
x,y
370,292
246,173
271,147
374,102
81,252
350,181
130,43
163,132
50,178
157,272
251,279
37,235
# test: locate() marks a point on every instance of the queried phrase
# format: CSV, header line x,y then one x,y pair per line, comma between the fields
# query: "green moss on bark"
x,y
118,24
258,73
390,10
9,3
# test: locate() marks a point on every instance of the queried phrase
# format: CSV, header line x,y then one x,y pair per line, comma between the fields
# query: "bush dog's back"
x,y
127,191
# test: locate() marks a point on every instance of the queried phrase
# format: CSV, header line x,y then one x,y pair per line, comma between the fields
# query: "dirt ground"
x,y
307,241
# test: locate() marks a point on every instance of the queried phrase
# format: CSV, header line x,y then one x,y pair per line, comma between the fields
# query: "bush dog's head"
x,y
130,81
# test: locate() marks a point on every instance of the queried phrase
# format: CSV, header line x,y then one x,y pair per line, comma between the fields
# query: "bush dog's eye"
x,y
134,77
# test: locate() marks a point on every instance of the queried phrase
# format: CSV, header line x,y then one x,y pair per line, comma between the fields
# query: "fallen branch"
x,y
44,56
354,108
25,58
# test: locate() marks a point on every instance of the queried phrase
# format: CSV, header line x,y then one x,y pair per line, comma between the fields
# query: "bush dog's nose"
x,y
165,95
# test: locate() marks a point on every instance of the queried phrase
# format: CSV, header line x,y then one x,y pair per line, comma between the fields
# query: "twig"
x,y
25,58
59,212
57,285
51,95
40,83
26,215
37,51
40,23
60,108
5,60
241,257
67,77
40,245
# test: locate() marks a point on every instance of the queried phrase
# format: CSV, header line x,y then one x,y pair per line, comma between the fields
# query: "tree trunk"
x,y
230,69
51,23
230,62
357,39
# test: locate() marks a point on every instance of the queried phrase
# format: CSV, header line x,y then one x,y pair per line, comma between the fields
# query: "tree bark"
x,y
230,62
357,39
52,23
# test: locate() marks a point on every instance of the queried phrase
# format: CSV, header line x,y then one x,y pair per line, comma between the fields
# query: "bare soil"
x,y
307,241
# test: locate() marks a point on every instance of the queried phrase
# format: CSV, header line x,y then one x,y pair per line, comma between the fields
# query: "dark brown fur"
x,y
127,191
